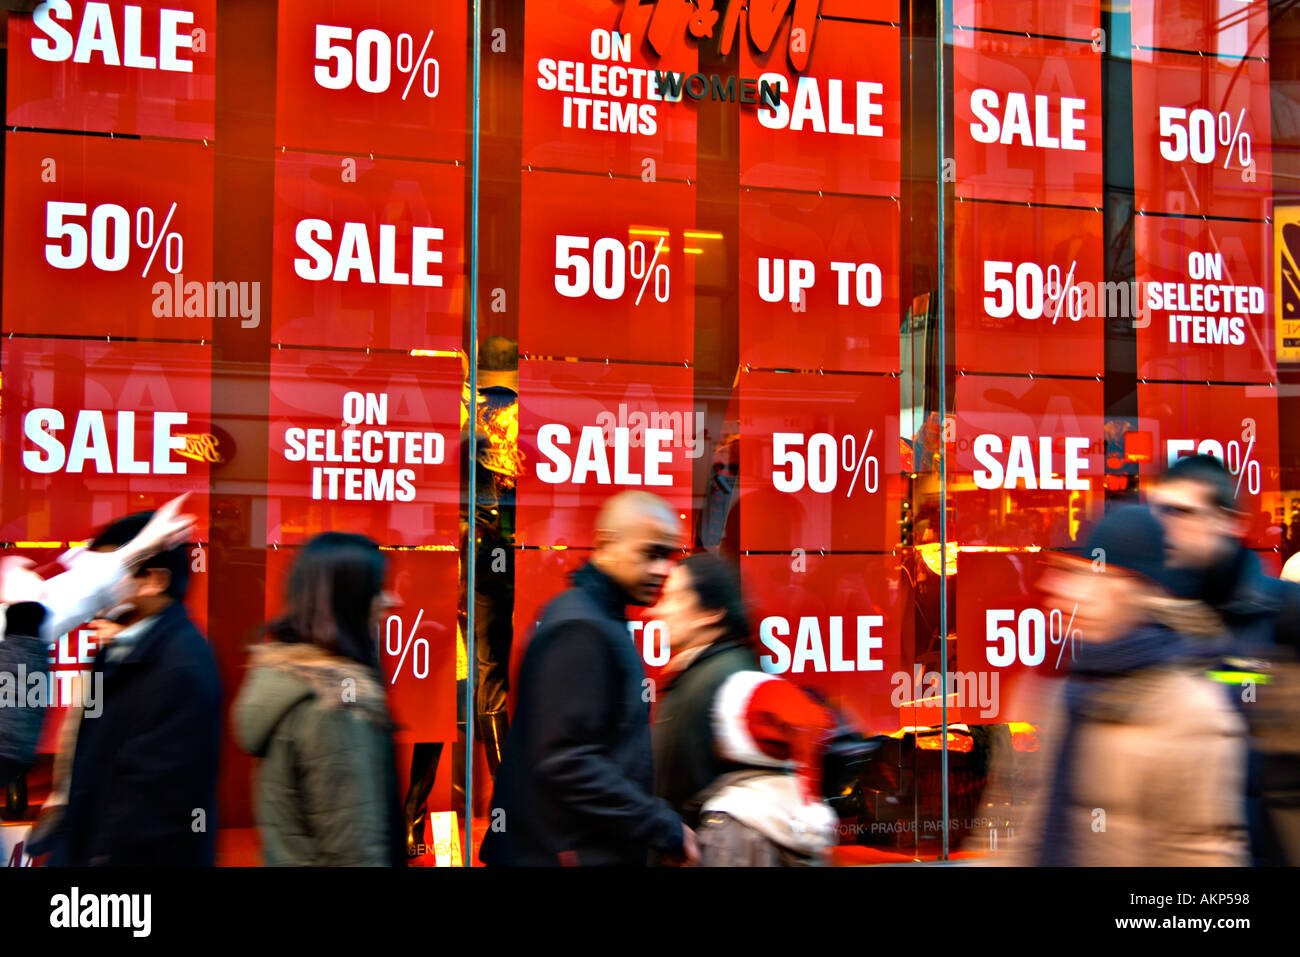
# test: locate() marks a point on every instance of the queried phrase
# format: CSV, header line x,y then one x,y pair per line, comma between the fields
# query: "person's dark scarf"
x,y
1097,665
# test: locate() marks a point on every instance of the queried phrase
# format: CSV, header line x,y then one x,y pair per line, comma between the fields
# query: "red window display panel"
x,y
146,68
368,253
417,639
1204,292
1029,289
592,101
838,123
1027,119
1233,28
590,430
1201,135
390,77
1028,459
1237,425
607,268
1006,630
819,282
819,462
1071,18
831,624
94,431
367,443
110,237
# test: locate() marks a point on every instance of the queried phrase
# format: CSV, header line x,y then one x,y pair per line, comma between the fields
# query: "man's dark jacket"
x,y
576,782
686,757
1263,616
143,789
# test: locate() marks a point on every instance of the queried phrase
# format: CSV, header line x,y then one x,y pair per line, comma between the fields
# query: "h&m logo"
x,y
700,18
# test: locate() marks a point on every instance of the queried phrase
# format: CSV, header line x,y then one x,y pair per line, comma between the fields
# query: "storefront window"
x,y
888,300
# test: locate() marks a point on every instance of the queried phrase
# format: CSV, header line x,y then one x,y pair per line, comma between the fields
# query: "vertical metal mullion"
x,y
471,465
942,315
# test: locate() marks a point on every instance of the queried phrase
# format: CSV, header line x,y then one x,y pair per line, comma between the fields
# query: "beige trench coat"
x,y
1159,774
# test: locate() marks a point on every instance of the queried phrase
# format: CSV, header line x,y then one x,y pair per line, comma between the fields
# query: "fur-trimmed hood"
x,y
282,676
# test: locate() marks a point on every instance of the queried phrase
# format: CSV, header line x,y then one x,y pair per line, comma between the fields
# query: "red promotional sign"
x,y
837,125
1201,135
146,68
368,253
1061,18
1204,289
1029,290
111,237
390,77
819,282
607,268
1235,28
1235,424
831,624
417,639
593,99
819,462
588,431
1006,630
1028,459
1027,119
364,443
94,431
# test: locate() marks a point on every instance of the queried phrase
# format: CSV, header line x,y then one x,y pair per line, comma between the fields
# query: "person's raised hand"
x,y
168,528
18,582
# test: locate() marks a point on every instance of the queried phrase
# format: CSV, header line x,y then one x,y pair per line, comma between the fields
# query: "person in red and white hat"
x,y
738,752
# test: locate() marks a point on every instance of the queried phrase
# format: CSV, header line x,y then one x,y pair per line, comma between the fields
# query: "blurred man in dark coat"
x,y
576,783
1196,502
144,772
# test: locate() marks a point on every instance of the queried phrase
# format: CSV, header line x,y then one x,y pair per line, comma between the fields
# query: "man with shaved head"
x,y
576,783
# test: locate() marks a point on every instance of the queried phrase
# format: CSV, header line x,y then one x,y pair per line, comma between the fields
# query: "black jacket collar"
x,y
1236,585
151,641
603,590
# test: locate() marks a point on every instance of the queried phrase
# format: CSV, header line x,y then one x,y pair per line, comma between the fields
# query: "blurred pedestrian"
x,y
313,709
576,782
35,612
1142,758
1196,503
142,790
737,752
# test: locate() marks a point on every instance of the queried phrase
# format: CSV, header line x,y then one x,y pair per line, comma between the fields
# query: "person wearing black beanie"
x,y
1142,759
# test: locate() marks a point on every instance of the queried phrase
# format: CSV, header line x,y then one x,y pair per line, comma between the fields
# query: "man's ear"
x,y
1238,522
155,581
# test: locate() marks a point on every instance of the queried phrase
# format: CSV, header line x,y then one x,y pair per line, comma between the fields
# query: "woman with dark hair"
x,y
738,753
313,709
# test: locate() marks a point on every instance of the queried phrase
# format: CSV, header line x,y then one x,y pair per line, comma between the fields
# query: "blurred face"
x,y
1197,532
145,595
1105,605
679,609
639,556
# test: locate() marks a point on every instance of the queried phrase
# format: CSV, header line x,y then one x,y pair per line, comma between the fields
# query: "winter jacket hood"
x,y
283,675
